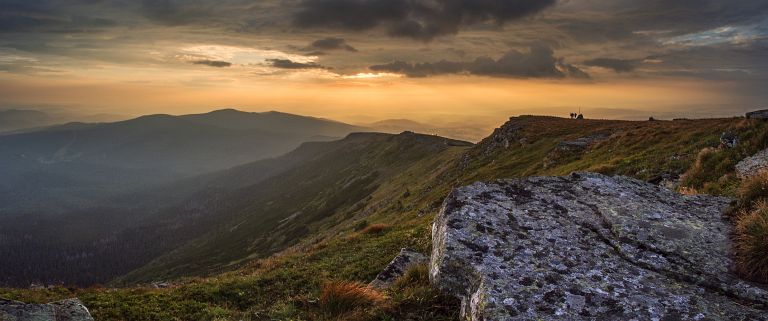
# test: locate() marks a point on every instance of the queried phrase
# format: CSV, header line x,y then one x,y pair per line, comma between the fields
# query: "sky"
x,y
439,61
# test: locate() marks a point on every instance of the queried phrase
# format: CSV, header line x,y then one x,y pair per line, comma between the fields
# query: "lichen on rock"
x,y
65,310
588,247
753,165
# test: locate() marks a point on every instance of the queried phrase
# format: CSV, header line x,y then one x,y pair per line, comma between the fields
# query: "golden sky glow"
x,y
542,57
367,98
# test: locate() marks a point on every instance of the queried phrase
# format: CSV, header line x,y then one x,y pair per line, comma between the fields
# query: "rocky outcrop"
x,y
588,247
753,165
397,268
66,310
572,149
504,137
758,114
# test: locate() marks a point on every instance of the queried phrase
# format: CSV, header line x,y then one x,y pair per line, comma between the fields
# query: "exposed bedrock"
x,y
65,310
588,247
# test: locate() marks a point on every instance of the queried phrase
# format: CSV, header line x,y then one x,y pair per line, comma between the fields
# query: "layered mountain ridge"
x,y
261,239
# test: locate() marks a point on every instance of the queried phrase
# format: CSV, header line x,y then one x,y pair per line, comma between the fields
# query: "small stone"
x,y
397,268
729,140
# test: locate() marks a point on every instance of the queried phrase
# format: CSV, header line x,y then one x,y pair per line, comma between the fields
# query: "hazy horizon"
x,y
467,127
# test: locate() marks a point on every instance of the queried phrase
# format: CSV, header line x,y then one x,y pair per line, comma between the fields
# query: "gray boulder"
x,y
588,247
66,310
753,165
397,268
729,140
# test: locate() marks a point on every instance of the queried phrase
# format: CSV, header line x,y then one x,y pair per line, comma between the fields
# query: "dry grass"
x,y
348,300
376,229
415,299
753,189
685,190
751,243
700,165
416,275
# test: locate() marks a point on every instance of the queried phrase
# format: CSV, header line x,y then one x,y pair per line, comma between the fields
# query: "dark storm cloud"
x,y
617,65
721,61
213,63
539,62
332,43
418,19
683,37
290,64
50,16
695,15
173,12
640,21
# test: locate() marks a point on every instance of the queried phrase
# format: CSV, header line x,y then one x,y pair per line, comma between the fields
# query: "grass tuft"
x,y
344,300
375,229
753,189
751,243
416,275
415,299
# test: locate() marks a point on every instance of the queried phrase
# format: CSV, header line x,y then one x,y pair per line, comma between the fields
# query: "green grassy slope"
x,y
314,196
287,285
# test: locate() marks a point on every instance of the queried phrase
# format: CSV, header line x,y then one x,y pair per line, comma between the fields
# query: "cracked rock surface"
x,y
66,310
588,247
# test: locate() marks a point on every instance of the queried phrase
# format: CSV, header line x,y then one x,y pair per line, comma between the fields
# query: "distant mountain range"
x,y
16,120
71,166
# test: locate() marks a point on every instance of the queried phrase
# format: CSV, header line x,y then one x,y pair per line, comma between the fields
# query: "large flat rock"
x,y
588,247
66,310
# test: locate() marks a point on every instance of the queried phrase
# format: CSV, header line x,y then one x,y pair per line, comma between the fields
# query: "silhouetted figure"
x,y
580,116
573,115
